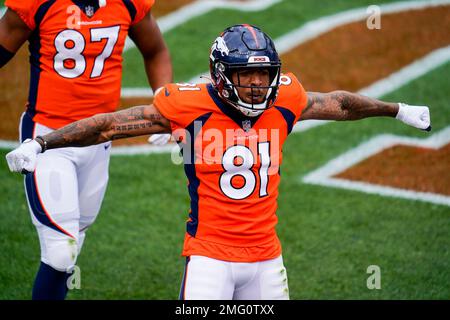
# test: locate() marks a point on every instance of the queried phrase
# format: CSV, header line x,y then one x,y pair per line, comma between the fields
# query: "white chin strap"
x,y
101,3
249,112
252,110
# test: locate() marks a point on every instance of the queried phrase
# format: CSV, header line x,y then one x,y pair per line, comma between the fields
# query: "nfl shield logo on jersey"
x,y
89,11
246,125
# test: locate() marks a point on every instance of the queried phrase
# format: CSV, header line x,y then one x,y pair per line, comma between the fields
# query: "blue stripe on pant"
x,y
27,130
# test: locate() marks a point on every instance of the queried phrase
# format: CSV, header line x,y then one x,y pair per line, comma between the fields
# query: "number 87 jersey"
x,y
232,165
76,55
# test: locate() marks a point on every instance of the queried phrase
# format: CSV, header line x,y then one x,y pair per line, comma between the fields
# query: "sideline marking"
x,y
392,82
307,32
201,7
384,86
323,176
315,28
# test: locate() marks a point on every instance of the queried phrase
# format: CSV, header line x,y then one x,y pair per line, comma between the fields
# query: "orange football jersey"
x,y
76,55
232,164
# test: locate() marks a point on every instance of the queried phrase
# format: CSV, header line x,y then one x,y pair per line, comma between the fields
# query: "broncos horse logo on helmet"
x,y
242,47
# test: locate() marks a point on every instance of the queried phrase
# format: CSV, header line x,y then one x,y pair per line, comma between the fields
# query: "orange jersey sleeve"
x,y
292,95
142,8
26,9
179,103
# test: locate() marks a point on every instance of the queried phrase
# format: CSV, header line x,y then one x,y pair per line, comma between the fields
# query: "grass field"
x,y
330,236
190,42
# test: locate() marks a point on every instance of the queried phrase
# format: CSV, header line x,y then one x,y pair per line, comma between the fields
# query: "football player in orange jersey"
x,y
76,69
231,133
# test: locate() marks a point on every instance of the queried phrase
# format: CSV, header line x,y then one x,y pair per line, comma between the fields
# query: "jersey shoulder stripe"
x,y
292,96
181,104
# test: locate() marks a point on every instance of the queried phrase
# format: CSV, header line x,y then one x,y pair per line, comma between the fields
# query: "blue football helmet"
x,y
241,47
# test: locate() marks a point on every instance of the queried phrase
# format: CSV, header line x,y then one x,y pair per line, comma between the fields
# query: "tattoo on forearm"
x,y
103,127
356,106
342,105
76,134
322,106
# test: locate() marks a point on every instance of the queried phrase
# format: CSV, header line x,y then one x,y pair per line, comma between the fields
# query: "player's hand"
x,y
23,159
416,116
159,139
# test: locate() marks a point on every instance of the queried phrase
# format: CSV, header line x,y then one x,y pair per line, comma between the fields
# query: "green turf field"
x,y
330,236
190,42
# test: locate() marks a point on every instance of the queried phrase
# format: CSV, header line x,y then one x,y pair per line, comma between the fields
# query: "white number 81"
x,y
244,170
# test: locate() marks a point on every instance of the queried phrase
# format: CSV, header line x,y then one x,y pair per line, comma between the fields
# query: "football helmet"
x,y
241,47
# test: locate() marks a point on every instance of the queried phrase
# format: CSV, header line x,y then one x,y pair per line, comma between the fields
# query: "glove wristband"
x,y
401,111
42,142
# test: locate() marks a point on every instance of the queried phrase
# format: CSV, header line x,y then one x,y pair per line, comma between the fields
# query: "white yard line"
x,y
144,149
376,90
315,28
201,7
324,175
186,13
413,71
392,82
8,144
309,31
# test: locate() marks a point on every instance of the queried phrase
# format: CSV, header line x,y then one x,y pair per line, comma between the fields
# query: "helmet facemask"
x,y
230,91
241,48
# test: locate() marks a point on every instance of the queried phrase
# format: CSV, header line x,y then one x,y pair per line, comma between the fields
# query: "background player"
x,y
231,133
76,69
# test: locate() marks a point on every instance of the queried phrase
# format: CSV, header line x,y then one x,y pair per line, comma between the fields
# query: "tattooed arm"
x,y
342,105
136,121
141,120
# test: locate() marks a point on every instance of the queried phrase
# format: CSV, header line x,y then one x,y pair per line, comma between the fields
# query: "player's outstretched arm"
x,y
13,33
136,121
343,105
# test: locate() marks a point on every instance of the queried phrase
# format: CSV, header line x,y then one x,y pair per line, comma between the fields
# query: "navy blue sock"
x,y
50,284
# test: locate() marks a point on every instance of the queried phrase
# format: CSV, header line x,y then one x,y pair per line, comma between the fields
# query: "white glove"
x,y
23,159
416,116
159,139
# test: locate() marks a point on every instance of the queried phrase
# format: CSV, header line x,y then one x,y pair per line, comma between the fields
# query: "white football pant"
x,y
211,279
64,195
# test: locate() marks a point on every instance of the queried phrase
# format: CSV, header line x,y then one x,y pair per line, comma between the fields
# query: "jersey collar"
x,y
241,120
